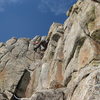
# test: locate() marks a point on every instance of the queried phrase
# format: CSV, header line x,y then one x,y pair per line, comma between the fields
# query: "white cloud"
x,y
55,6
3,3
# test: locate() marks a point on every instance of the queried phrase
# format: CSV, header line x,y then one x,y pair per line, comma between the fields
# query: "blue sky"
x,y
27,18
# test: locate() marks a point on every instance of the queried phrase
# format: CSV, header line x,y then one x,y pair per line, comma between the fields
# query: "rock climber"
x,y
42,45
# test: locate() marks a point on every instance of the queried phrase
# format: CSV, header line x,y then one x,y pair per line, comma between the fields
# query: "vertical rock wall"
x,y
69,69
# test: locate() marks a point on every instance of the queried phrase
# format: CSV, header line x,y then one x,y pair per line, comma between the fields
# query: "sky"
x,y
28,18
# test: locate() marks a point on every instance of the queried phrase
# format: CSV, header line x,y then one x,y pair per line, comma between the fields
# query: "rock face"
x,y
69,68
17,63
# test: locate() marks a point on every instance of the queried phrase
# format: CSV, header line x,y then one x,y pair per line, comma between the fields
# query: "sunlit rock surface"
x,y
69,68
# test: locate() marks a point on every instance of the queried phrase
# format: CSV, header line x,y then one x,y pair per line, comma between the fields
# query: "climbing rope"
x,y
15,97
